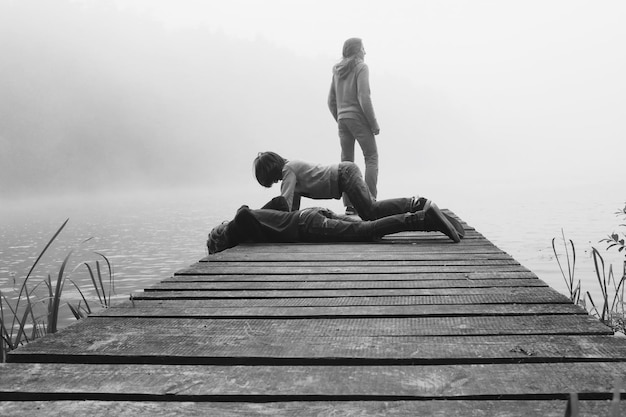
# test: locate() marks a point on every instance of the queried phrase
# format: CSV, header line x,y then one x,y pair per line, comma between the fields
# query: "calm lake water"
x,y
148,236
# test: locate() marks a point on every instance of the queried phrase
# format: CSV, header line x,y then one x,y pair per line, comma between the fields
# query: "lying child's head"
x,y
268,168
219,239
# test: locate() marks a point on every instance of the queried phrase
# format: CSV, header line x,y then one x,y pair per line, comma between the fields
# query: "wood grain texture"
x,y
215,382
440,408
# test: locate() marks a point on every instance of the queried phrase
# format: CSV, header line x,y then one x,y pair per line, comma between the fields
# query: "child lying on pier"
x,y
275,223
303,179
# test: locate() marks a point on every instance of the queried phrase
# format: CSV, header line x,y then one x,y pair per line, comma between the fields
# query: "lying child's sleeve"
x,y
277,203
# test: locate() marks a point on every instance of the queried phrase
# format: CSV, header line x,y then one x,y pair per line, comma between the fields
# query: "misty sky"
x,y
105,94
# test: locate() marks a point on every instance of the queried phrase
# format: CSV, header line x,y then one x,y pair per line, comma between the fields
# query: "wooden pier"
x,y
413,325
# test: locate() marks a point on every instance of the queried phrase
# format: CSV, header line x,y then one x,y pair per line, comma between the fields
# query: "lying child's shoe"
x,y
431,219
420,203
435,220
455,223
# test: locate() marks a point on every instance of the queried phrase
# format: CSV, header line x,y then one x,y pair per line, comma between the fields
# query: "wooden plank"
x,y
402,238
473,238
353,257
203,300
253,348
441,408
355,277
331,285
391,247
381,326
593,381
253,250
153,337
181,310
208,268
386,247
362,264
521,291
431,238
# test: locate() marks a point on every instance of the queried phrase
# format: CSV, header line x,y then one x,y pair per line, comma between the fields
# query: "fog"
x,y
101,95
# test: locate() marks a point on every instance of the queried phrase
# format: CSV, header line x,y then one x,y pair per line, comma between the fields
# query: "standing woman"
x,y
350,104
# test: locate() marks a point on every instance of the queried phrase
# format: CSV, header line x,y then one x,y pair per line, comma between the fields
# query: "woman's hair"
x,y
268,168
351,55
352,47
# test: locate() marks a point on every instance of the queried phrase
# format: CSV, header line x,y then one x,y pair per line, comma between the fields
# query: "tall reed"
x,y
574,291
612,310
21,313
612,291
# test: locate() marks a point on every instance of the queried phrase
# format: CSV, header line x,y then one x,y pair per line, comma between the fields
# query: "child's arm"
x,y
288,188
277,203
296,202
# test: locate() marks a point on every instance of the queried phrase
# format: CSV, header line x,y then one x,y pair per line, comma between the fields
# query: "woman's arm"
x,y
365,99
332,99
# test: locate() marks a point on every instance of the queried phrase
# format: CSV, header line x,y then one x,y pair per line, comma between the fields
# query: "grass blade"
x,y
46,248
619,287
49,285
576,294
4,334
53,319
9,335
593,305
35,264
22,325
111,280
75,311
3,355
83,296
93,281
558,261
573,259
571,266
601,280
101,284
30,308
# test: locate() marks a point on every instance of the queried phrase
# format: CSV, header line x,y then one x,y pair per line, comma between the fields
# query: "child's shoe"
x,y
435,220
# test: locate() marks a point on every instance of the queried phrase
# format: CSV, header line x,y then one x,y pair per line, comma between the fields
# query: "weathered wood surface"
x,y
519,297
336,285
333,253
389,267
380,328
265,382
315,408
344,293
185,308
179,277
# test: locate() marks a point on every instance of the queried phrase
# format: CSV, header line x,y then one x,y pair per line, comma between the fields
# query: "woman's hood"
x,y
345,66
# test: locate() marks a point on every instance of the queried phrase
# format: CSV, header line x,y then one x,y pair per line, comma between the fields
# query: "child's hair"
x,y
268,168
219,239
